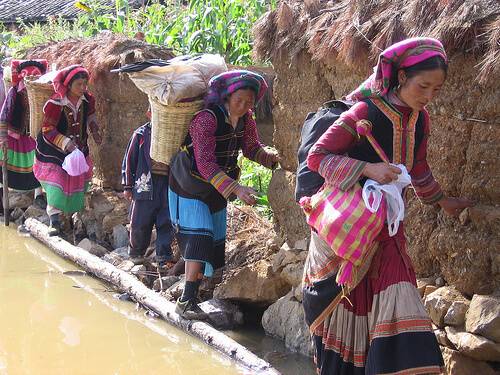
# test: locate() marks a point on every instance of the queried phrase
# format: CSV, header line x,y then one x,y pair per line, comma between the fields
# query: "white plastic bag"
x,y
75,164
373,192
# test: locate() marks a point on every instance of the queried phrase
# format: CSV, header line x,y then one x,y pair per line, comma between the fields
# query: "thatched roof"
x,y
39,11
355,31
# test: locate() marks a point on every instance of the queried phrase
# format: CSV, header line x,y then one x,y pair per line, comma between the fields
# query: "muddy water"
x,y
54,320
52,323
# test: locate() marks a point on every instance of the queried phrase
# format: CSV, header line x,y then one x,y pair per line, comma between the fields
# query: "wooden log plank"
x,y
147,297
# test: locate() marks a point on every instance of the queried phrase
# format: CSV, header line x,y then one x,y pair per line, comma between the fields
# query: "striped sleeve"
x,y
328,155
52,113
202,131
426,187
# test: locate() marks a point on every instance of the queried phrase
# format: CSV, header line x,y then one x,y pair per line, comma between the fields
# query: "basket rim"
x,y
194,103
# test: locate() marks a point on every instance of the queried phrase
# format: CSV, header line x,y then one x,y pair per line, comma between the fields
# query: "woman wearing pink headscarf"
x,y
69,115
14,131
378,325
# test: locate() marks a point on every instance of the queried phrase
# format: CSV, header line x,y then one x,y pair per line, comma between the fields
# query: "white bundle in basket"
x,y
184,77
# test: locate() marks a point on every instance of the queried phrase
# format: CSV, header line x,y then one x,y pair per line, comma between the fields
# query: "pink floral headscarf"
x,y
400,55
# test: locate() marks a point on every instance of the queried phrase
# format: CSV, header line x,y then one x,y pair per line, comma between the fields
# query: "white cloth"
x,y
373,193
75,163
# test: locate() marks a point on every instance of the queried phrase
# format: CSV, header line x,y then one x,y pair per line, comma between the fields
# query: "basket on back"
x,y
38,94
174,89
170,125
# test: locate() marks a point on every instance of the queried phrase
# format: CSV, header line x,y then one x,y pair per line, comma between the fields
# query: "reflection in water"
x,y
70,327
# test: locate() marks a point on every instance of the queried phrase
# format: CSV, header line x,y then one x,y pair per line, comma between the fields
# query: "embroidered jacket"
x,y
340,154
215,147
63,122
136,165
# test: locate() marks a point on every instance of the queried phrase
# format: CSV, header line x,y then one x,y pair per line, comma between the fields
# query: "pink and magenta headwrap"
x,y
23,68
223,85
400,55
64,76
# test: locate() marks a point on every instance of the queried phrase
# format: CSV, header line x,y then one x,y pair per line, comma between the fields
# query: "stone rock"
x,y
423,283
166,281
120,236
441,337
253,283
285,319
126,265
140,271
458,364
222,314
474,346
20,200
483,317
297,293
302,245
285,256
429,289
175,291
35,212
440,282
456,313
16,214
438,302
92,247
292,273
117,256
79,230
93,228
119,215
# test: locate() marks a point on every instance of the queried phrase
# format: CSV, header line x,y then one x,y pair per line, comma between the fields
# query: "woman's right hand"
x,y
70,147
127,194
383,173
246,194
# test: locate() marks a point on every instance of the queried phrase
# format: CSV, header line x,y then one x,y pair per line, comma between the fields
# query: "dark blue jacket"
x,y
136,165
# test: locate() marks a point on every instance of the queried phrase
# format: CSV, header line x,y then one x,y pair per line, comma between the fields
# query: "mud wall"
x,y
463,153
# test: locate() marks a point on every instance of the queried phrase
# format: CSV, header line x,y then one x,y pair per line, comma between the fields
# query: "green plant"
x,y
257,177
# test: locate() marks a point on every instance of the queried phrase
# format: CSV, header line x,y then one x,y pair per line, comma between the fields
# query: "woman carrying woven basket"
x,y
204,175
14,130
69,115
376,323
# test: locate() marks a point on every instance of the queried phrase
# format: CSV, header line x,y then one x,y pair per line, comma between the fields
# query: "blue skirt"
x,y
201,233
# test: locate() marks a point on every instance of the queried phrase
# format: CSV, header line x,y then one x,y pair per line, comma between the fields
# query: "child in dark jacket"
x,y
146,184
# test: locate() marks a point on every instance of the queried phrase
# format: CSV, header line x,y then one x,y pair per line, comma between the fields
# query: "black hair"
x,y
433,63
34,63
78,76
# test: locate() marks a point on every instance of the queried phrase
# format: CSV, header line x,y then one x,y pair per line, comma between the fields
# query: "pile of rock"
x,y
468,330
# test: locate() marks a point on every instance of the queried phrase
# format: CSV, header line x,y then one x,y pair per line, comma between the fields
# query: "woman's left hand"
x,y
454,206
275,160
97,138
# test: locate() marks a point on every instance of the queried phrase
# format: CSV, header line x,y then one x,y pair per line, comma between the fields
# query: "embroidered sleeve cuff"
x,y
341,171
264,157
3,129
427,189
224,184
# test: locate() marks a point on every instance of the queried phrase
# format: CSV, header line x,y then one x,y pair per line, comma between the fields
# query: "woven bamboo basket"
x,y
170,125
38,94
7,79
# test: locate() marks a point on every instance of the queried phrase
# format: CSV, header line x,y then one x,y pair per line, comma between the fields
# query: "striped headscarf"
x,y
400,55
223,85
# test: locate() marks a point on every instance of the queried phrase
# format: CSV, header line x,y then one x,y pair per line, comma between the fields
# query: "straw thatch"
x,y
355,31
